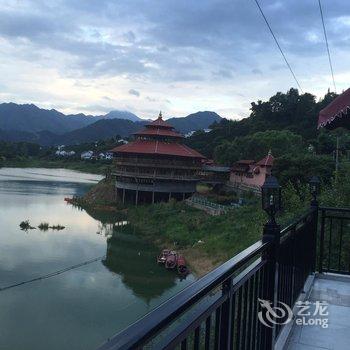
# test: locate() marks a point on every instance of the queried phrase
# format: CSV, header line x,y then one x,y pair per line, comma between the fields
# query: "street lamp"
x,y
271,198
314,186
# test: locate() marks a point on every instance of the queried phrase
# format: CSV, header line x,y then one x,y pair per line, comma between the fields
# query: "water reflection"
x,y
132,258
88,304
125,256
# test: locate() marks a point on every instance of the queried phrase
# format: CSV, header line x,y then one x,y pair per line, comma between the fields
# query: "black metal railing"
x,y
220,310
296,258
334,242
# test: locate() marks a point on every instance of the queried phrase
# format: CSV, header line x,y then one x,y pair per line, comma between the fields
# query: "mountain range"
x,y
29,123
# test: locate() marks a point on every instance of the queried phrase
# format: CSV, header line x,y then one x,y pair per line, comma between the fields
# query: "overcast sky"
x,y
178,56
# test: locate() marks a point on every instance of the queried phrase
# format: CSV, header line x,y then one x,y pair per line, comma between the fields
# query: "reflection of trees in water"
x,y
105,216
130,257
135,261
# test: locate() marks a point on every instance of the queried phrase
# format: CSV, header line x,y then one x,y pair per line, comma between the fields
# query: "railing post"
x,y
315,186
320,261
226,316
314,206
271,233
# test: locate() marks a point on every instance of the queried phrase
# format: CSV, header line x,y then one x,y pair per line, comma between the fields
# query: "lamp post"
x,y
271,203
314,186
271,198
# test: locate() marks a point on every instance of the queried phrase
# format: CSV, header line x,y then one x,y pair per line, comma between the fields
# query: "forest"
x,y
286,124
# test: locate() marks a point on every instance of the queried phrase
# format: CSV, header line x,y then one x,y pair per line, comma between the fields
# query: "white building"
x,y
86,155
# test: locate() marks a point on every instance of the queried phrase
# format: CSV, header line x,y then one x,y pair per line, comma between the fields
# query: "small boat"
x,y
162,256
171,260
69,200
181,266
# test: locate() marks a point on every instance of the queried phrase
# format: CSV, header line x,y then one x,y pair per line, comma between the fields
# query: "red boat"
x,y
181,266
161,259
171,260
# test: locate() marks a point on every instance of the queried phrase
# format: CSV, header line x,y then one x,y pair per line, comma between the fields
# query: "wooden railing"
x,y
155,175
161,163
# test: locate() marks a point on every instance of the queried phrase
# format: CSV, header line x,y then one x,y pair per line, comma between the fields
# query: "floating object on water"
x,y
25,226
44,226
57,227
181,266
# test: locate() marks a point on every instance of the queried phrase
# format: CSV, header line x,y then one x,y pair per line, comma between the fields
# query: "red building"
x,y
156,166
250,175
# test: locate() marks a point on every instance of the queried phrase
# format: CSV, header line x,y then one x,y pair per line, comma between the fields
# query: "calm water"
x,y
80,308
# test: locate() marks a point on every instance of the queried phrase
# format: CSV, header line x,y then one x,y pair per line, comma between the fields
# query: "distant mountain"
x,y
195,121
100,130
107,128
49,127
30,118
122,115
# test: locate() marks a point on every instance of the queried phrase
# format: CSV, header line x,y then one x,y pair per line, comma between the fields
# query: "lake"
x,y
81,307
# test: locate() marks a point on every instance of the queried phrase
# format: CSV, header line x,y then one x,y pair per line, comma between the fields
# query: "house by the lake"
x,y
249,175
156,166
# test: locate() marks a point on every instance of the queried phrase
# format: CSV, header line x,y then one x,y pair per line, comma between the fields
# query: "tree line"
x,y
286,124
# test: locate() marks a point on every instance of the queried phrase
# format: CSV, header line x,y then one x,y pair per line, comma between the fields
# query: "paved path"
x,y
336,292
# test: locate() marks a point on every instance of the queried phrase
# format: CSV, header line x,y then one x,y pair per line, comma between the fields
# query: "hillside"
x,y
30,118
99,130
290,111
122,115
28,123
194,121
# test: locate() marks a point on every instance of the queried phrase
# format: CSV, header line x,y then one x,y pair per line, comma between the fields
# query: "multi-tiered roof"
x,y
159,138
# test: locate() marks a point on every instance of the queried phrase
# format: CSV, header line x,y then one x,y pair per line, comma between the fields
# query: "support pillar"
x,y
271,233
152,197
123,195
169,196
183,196
137,197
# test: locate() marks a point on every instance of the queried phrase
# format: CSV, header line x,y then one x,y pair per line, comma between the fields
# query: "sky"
x,y
177,56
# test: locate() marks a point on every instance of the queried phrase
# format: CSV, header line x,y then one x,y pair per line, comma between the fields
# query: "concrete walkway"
x,y
335,290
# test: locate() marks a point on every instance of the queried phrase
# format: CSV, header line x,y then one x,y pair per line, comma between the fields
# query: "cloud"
x,y
134,92
223,47
257,71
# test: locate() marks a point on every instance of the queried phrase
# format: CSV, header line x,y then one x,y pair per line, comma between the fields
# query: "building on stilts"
x,y
156,166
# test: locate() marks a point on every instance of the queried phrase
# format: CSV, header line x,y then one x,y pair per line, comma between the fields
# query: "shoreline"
x,y
199,262
93,167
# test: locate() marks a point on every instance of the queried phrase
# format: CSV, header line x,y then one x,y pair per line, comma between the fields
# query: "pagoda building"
x,y
156,166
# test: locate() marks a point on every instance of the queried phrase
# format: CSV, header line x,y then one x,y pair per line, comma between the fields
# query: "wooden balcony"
x,y
156,163
155,176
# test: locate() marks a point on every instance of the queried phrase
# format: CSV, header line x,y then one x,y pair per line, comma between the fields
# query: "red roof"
x,y
160,123
158,131
332,116
157,147
245,161
267,161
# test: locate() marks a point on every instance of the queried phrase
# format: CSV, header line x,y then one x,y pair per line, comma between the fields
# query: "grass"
x,y
205,240
183,226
